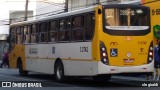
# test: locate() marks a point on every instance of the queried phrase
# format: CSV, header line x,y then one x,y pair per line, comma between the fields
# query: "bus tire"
x,y
102,78
59,71
21,71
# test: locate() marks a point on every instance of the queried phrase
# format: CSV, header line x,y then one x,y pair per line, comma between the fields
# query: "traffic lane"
x,y
12,75
74,84
71,82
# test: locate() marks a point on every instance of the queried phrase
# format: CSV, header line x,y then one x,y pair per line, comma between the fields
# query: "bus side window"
x,y
43,37
53,31
19,35
89,26
78,28
34,34
43,32
12,38
26,36
63,34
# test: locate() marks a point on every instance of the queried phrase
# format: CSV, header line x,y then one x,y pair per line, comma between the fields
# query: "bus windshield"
x,y
126,19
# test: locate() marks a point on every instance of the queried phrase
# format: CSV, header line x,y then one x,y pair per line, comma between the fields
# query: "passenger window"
x,y
78,28
90,19
63,34
43,32
44,37
19,35
34,34
12,38
53,36
53,25
53,31
26,34
62,24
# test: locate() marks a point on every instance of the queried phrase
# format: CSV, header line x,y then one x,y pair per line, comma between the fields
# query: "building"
x,y
78,4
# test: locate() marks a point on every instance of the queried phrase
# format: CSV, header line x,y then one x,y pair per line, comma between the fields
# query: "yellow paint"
x,y
98,27
18,51
126,44
155,19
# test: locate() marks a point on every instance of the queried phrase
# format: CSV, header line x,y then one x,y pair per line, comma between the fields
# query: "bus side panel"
x,y
17,52
155,15
76,58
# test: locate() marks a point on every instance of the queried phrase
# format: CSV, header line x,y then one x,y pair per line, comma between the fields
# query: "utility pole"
x,y
66,5
26,10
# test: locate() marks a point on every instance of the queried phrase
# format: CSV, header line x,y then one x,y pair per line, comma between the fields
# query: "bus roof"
x,y
89,9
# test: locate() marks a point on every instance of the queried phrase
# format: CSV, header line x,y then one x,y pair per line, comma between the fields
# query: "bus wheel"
x,y
21,71
59,71
102,78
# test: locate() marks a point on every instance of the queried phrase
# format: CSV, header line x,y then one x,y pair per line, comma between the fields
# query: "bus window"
x,y
54,25
78,22
19,35
132,21
89,26
62,24
53,31
63,34
68,23
43,32
26,37
26,34
33,38
34,34
43,37
129,17
12,38
13,31
78,28
43,27
53,36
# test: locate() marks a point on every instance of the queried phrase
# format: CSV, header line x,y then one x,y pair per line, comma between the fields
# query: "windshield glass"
x,y
126,19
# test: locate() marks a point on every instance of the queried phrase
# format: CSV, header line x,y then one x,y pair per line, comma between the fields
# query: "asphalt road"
x,y
116,83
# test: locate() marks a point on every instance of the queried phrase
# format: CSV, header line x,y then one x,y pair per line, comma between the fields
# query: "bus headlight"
x,y
103,54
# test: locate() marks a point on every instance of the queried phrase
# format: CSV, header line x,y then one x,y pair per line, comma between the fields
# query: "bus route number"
x,y
83,49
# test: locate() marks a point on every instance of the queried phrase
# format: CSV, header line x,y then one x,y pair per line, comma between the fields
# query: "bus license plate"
x,y
128,60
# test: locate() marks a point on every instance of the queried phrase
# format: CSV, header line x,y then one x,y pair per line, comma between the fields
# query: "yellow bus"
x,y
155,17
97,41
